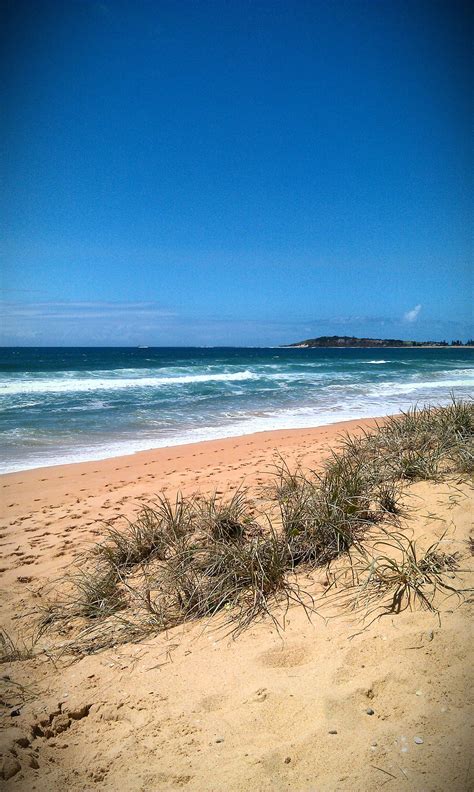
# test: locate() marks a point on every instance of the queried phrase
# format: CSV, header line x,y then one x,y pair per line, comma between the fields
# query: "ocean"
x,y
61,405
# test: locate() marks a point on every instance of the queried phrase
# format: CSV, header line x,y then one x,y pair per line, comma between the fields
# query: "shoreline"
x,y
78,497
345,424
95,409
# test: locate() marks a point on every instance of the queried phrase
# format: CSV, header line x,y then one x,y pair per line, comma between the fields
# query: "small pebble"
x,y
369,711
419,693
418,740
374,744
219,739
288,760
332,731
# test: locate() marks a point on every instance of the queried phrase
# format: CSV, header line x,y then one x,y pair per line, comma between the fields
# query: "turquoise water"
x,y
67,405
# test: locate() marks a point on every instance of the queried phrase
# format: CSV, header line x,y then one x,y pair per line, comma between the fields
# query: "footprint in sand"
x,y
286,657
212,703
27,560
260,695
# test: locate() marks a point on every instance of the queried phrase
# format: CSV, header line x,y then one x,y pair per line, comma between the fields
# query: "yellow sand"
x,y
194,710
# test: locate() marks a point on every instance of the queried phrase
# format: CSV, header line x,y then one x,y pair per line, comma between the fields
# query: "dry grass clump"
x,y
195,557
226,520
178,562
12,650
393,574
422,443
462,457
322,515
456,419
96,593
215,574
158,528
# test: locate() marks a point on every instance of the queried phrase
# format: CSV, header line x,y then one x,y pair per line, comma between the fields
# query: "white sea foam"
x,y
393,388
70,385
360,406
166,410
268,421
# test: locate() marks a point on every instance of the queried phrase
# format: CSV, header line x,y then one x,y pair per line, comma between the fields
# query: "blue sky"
x,y
235,172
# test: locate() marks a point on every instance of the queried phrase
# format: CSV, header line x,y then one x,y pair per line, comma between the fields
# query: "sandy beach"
x,y
236,397
309,708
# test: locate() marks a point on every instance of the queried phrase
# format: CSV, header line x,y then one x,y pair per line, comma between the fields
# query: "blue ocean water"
x,y
70,404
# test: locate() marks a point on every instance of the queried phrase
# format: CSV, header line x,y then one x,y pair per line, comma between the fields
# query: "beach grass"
x,y
14,648
195,557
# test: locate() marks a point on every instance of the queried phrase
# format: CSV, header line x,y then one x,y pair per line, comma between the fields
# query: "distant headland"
x,y
353,341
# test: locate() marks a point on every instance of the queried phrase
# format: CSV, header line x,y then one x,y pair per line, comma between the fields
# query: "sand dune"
x,y
309,708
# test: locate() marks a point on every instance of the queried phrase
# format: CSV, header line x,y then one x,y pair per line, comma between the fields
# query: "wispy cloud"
x,y
412,316
48,311
109,323
81,322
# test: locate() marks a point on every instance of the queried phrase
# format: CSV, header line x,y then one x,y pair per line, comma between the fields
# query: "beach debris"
x,y
418,693
260,695
418,740
332,731
219,739
370,711
288,760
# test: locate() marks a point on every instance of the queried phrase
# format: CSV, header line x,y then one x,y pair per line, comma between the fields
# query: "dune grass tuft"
x,y
13,650
395,575
159,526
226,520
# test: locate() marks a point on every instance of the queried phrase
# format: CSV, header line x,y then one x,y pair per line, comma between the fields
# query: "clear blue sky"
x,y
235,172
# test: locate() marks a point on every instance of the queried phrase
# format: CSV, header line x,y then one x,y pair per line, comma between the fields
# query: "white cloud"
x,y
412,316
